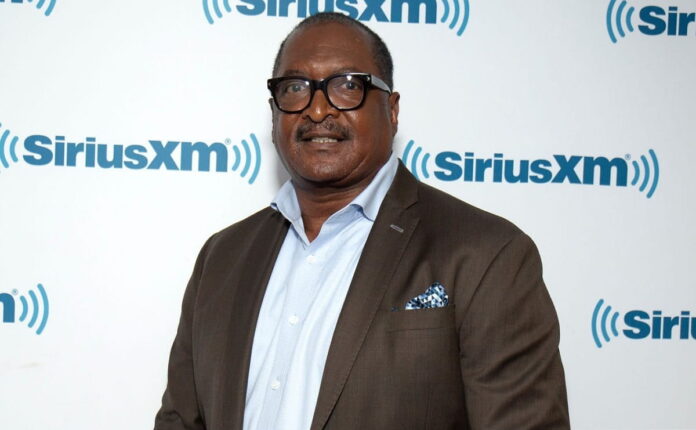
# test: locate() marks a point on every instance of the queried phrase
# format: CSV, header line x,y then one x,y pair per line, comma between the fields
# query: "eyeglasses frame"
x,y
370,81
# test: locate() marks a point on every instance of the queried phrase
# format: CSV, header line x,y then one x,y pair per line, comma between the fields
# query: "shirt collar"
x,y
369,200
371,197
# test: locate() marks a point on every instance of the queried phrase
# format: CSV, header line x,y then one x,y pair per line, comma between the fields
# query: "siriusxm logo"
x,y
34,313
640,324
559,169
40,150
652,20
8,145
46,5
454,14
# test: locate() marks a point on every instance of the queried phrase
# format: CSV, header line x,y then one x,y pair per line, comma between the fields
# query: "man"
x,y
361,299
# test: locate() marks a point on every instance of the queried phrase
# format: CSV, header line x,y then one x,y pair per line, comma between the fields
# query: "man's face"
x,y
322,146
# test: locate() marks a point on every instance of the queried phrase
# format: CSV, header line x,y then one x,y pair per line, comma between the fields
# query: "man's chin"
x,y
323,176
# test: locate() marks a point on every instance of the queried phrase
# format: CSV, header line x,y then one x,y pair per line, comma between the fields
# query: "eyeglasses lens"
x,y
344,92
292,94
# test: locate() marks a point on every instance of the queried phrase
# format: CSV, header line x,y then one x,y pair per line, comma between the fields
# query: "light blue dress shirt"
x,y
301,305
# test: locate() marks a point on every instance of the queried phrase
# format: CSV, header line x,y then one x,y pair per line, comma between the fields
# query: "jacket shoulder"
x,y
238,238
249,225
454,211
445,215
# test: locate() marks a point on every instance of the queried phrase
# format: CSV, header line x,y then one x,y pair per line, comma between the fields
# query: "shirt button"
x,y
275,384
293,319
311,259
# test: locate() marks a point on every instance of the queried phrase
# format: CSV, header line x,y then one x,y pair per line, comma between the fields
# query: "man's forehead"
x,y
335,46
328,33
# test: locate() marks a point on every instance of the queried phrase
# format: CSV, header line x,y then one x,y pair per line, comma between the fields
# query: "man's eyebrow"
x,y
347,70
295,72
292,72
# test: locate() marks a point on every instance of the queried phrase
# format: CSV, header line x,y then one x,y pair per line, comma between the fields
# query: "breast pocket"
x,y
420,319
420,346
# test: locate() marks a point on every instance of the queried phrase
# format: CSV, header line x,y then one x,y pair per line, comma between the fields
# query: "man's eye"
x,y
294,88
351,85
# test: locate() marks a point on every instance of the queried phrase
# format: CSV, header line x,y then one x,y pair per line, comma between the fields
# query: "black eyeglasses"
x,y
345,91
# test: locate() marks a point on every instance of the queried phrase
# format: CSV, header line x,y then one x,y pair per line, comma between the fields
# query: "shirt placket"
x,y
301,291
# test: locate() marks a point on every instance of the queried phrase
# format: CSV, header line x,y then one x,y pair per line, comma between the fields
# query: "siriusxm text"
x,y
363,10
41,150
573,169
8,308
657,21
642,325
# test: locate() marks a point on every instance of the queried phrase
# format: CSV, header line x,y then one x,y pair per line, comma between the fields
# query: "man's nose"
x,y
320,108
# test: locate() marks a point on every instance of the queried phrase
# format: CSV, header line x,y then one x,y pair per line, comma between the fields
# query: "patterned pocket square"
x,y
435,296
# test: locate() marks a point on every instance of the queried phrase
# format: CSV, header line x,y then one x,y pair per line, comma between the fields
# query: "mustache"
x,y
329,126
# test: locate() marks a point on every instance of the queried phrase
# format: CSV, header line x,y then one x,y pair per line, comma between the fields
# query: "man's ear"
x,y
394,111
273,119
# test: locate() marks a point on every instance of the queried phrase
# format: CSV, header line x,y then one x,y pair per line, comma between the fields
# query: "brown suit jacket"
x,y
489,360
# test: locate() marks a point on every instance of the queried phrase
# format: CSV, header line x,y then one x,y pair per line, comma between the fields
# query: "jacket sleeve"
x,y
180,409
510,363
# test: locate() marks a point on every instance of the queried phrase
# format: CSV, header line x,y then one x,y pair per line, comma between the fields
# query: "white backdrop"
x,y
113,247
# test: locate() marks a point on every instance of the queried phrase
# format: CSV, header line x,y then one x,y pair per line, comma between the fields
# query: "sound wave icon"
x,y
459,8
50,4
411,161
37,310
648,177
8,147
216,9
246,157
602,323
618,19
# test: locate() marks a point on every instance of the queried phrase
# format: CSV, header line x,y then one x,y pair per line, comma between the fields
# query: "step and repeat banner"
x,y
132,130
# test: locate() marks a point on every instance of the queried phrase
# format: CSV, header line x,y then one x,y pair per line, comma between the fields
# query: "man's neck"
x,y
318,204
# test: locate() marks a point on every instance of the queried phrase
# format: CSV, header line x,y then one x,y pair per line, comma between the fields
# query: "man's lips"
x,y
322,138
322,133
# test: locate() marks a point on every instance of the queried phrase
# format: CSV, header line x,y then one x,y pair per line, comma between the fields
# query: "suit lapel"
x,y
246,294
383,250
